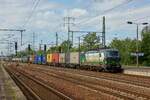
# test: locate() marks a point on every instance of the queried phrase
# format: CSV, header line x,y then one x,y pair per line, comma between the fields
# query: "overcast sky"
x,y
46,17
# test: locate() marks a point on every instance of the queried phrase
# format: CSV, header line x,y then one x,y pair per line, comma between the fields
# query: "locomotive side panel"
x,y
92,58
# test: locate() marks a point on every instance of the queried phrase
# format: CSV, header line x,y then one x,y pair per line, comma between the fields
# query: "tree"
x,y
64,46
90,41
145,45
53,49
125,47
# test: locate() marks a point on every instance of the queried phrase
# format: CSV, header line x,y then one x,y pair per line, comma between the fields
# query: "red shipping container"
x,y
55,57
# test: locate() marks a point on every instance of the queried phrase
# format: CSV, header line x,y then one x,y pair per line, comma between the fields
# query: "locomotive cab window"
x,y
100,54
112,53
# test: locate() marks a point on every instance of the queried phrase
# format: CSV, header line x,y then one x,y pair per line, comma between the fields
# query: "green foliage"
x,y
145,45
53,49
39,52
64,46
90,41
125,47
74,49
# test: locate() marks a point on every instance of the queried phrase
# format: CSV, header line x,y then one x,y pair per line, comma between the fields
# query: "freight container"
x,y
31,58
43,59
74,58
67,58
55,58
61,57
39,59
82,58
49,58
36,59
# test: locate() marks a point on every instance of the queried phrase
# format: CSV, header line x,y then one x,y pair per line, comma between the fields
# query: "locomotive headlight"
x,y
105,61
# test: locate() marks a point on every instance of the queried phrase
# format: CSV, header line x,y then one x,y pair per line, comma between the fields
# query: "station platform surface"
x,y
143,71
8,88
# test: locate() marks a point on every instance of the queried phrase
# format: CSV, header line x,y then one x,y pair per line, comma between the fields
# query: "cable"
x,y
35,4
141,18
106,11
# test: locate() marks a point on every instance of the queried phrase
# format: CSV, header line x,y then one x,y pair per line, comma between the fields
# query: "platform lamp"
x,y
137,38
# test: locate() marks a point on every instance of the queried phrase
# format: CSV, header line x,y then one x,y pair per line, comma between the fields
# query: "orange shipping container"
x,y
55,57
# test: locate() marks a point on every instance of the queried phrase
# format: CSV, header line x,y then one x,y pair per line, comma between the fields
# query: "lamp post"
x,y
137,38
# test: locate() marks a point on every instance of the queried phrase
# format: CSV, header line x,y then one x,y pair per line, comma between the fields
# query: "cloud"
x,y
119,18
14,14
102,5
76,12
48,17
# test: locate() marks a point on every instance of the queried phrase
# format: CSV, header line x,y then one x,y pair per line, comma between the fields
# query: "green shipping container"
x,y
82,58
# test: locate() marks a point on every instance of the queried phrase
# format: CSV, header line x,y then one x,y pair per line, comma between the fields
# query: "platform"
x,y
8,89
143,71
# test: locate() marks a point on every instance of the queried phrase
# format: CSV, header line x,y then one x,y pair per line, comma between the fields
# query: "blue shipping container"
x,y
43,59
36,59
39,59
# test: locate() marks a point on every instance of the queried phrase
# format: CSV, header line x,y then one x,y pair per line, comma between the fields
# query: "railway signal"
x,y
45,48
29,47
16,47
59,49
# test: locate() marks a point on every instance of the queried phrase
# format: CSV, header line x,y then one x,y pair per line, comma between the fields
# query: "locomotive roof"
x,y
110,49
103,50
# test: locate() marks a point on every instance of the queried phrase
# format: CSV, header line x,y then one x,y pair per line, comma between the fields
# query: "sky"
x,y
46,17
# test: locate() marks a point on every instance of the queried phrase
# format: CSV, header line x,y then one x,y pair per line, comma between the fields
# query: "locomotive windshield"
x,y
112,53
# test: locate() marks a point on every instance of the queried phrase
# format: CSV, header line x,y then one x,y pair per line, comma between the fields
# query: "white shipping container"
x,y
74,57
61,57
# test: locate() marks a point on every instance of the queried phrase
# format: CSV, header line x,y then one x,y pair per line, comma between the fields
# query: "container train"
x,y
98,60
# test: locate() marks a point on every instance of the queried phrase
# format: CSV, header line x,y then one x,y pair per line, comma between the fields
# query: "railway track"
x,y
120,90
103,84
124,78
89,86
35,89
99,95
